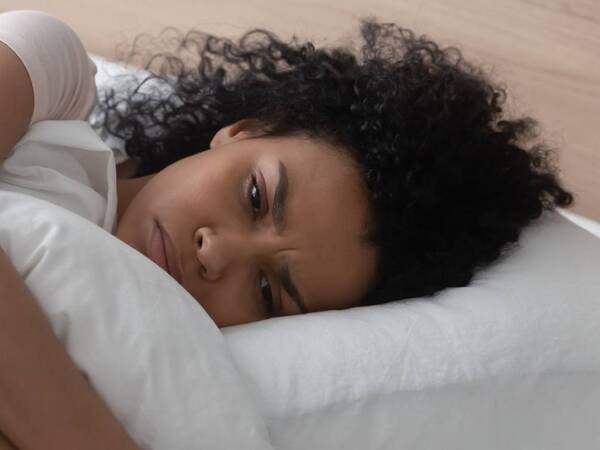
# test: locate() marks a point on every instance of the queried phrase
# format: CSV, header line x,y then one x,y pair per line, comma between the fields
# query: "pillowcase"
x,y
149,349
584,222
122,78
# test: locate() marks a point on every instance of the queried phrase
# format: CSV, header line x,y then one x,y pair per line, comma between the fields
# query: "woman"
x,y
404,175
329,181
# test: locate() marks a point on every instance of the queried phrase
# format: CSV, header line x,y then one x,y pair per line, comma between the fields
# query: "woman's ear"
x,y
242,129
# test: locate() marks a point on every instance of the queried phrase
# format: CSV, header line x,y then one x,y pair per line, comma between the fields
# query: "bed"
x,y
510,361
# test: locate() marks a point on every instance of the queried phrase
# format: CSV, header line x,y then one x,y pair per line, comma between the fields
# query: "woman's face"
x,y
255,219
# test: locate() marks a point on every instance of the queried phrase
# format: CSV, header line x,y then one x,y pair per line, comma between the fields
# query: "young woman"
x,y
285,179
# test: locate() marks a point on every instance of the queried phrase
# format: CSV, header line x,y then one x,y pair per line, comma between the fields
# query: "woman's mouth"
x,y
161,251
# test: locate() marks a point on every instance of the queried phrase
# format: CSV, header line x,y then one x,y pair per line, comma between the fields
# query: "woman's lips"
x,y
162,251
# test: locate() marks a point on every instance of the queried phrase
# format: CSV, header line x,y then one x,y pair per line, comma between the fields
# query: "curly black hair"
x,y
450,179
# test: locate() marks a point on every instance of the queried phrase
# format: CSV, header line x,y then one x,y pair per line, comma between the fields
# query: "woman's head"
x,y
448,179
259,219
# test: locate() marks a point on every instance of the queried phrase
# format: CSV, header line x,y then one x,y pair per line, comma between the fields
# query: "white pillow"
x,y
510,361
151,352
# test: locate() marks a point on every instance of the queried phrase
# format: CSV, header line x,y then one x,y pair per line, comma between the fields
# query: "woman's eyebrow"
x,y
278,213
280,198
288,284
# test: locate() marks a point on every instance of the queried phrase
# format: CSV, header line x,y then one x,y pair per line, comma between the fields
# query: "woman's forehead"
x,y
325,216
311,160
333,272
322,190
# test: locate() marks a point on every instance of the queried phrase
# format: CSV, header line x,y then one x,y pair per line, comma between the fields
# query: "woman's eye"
x,y
266,293
254,195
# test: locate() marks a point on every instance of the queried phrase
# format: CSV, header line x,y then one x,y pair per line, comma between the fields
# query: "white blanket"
x,y
149,349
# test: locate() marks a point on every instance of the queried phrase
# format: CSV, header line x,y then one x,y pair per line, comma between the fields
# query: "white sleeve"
x,y
61,71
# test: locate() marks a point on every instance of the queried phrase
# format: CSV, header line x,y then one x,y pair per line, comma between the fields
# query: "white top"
x,y
60,159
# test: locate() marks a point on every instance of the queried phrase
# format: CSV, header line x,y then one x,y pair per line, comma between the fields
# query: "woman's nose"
x,y
216,251
209,254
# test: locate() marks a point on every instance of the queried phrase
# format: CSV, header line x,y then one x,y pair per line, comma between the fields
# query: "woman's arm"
x,y
46,74
45,400
16,100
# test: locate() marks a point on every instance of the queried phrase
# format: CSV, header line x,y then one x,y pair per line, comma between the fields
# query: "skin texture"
x,y
226,239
